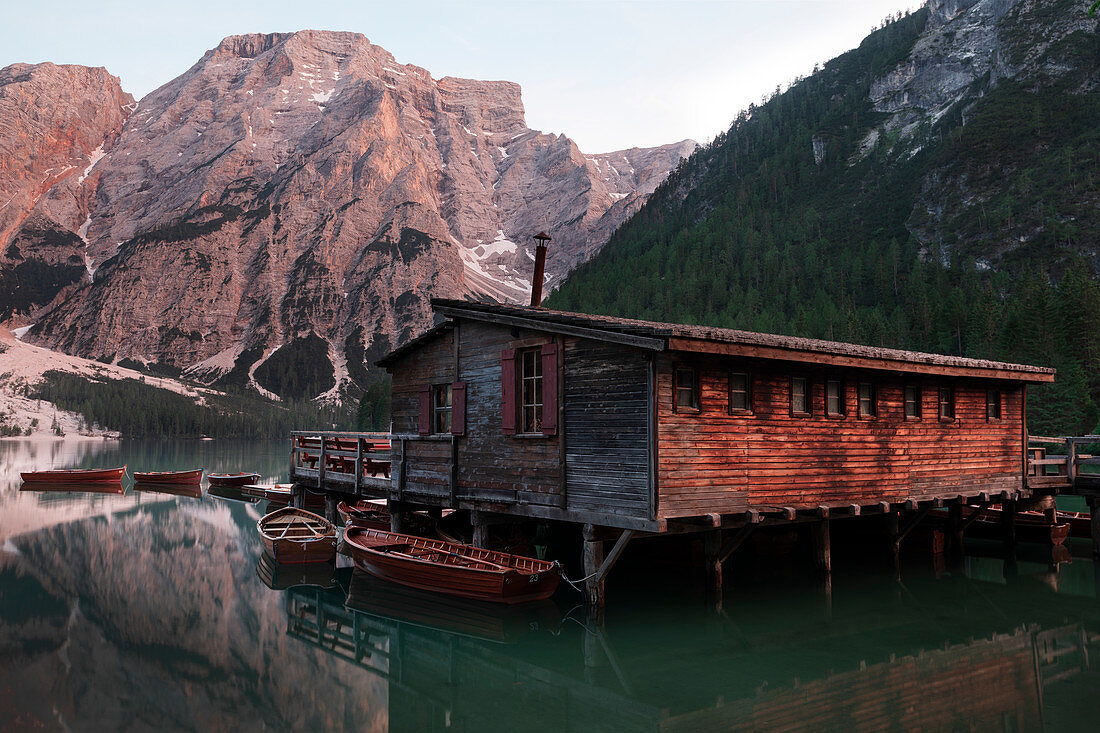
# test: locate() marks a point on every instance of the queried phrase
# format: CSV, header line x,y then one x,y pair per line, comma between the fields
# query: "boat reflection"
x,y
880,663
278,576
72,487
193,491
230,493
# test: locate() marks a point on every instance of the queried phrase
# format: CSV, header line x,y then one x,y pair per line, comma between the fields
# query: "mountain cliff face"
x,y
294,199
937,188
55,124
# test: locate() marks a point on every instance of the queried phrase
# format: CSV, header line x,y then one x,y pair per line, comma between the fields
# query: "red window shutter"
x,y
508,391
550,389
458,408
425,425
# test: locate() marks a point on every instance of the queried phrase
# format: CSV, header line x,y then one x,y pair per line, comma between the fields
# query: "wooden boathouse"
x,y
632,427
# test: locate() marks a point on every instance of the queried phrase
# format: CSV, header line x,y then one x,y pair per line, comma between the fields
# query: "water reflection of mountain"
x,y
154,618
882,663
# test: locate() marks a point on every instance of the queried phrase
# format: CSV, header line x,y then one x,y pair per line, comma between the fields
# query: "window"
x,y
947,403
866,399
800,396
912,402
687,389
993,404
441,408
834,397
530,391
740,393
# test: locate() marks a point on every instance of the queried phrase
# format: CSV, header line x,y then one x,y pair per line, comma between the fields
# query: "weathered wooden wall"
x,y
604,430
607,428
712,461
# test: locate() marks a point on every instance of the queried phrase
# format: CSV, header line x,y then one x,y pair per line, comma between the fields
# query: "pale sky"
x,y
610,75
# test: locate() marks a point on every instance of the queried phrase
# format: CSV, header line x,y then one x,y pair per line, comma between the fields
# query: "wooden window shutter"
x,y
458,408
425,424
508,391
550,389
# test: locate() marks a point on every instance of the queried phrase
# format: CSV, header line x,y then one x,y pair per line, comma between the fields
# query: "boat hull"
x,y
363,514
518,580
286,537
169,477
233,479
84,476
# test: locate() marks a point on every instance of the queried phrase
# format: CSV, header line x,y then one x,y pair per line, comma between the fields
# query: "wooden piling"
x,y
1094,509
893,540
331,501
1008,524
397,516
712,562
822,547
594,580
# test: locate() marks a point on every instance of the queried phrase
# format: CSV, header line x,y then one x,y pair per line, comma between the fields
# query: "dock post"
x,y
298,496
712,560
822,545
1008,525
330,507
594,581
481,530
1094,509
397,516
954,529
893,540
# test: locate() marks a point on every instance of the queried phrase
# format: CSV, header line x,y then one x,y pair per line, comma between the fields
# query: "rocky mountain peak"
x,y
297,198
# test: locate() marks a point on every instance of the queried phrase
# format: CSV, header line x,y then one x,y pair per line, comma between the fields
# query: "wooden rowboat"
x,y
295,536
70,487
1030,526
169,477
452,568
84,476
278,492
363,514
232,479
230,493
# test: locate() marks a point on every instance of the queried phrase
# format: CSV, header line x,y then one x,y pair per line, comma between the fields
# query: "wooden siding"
x,y
716,462
606,396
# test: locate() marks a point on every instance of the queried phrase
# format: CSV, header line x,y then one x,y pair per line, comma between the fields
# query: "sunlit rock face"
x,y
56,122
293,186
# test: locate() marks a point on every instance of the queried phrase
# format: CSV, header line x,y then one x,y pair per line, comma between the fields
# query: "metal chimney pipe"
x,y
540,266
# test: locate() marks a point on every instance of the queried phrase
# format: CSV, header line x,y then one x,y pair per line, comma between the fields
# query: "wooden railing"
x,y
357,459
1062,468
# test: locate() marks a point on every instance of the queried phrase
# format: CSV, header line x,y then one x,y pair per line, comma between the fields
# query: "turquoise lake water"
x,y
148,611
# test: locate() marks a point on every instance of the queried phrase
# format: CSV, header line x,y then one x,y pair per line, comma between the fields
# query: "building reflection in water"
x,y
879,664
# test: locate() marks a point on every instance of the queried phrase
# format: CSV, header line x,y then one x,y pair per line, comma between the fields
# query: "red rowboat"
x,y
233,479
278,492
363,514
169,477
80,487
84,476
452,568
1030,526
295,536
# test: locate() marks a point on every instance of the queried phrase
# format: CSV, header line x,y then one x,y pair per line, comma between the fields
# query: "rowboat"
x,y
1029,526
82,475
282,494
363,514
193,491
169,477
232,479
494,622
295,536
452,568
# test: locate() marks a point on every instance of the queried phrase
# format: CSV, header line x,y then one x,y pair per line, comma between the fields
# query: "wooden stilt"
x,y
893,541
954,528
397,516
712,549
298,496
1094,509
330,508
481,534
822,547
594,579
1008,525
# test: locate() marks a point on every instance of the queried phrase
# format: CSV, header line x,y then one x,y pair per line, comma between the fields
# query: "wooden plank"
x,y
612,337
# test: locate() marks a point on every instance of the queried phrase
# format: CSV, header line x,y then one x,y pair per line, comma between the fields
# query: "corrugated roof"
x,y
666,331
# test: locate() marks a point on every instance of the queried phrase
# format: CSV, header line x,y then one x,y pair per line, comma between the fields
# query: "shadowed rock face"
x,y
307,183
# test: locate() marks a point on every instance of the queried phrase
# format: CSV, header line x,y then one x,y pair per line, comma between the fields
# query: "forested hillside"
x,y
842,209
